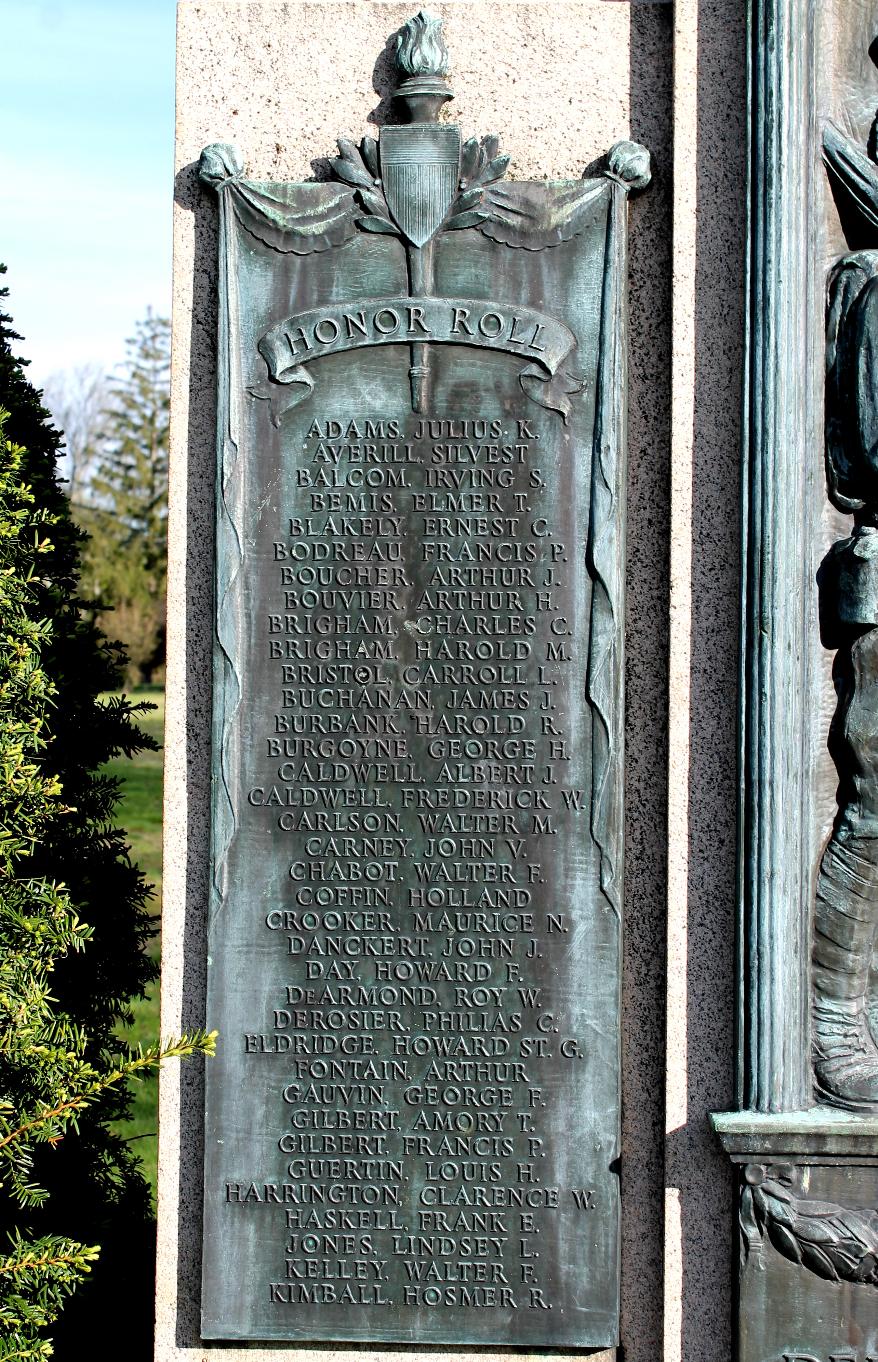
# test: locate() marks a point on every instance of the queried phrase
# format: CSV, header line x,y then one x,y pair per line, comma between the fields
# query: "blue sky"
x,y
86,168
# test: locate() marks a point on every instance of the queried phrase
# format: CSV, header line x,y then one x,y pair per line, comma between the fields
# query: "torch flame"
x,y
420,47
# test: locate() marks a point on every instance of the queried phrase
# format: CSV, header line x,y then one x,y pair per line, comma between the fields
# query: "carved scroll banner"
x,y
412,1124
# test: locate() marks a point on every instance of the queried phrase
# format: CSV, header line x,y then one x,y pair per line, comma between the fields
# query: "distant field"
x,y
140,814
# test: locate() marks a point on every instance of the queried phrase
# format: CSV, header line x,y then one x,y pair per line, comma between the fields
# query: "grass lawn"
x,y
140,814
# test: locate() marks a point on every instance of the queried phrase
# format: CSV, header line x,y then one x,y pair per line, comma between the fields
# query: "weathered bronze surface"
x,y
412,1124
846,919
809,1245
808,1235
807,1172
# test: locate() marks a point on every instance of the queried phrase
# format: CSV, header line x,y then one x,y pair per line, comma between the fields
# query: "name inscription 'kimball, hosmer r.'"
x,y
415,915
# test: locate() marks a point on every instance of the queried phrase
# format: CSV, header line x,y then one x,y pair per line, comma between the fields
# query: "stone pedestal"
x,y
808,1235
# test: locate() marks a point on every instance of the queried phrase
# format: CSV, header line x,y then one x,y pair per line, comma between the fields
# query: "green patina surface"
x,y
415,921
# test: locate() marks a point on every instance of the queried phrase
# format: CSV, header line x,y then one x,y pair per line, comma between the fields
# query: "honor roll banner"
x,y
412,1123
544,340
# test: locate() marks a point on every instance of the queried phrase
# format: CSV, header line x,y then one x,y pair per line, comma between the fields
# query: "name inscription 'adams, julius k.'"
x,y
412,1120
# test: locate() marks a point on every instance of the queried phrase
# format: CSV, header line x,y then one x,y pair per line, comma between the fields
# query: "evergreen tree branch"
x,y
199,1042
74,910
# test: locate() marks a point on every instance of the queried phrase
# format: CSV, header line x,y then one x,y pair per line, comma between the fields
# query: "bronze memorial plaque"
x,y
412,1123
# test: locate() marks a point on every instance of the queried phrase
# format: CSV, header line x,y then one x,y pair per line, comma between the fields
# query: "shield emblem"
x,y
420,167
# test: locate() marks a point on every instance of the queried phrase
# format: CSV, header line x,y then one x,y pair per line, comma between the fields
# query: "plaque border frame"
x,y
626,171
606,563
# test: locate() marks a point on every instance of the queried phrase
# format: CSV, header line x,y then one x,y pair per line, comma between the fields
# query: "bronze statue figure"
x,y
844,1013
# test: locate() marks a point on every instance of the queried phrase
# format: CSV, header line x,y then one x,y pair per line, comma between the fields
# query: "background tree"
x,y
78,400
74,922
125,504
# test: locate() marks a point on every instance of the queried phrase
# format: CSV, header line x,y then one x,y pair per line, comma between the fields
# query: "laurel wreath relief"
x,y
480,166
835,1242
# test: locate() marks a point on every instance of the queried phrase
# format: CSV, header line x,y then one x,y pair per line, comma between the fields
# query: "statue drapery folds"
x,y
844,1010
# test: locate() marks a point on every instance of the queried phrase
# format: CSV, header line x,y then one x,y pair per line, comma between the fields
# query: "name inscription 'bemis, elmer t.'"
x,y
412,1123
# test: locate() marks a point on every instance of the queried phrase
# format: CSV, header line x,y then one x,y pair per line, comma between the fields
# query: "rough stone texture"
x,y
708,331
560,81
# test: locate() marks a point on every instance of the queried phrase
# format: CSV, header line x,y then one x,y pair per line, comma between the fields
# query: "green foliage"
x,y
125,505
34,1278
140,813
74,924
